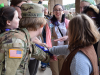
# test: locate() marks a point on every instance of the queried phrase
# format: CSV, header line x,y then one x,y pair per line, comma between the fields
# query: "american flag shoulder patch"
x,y
15,53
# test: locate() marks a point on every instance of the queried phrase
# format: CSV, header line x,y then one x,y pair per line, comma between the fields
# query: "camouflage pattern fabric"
x,y
90,1
17,39
32,10
44,57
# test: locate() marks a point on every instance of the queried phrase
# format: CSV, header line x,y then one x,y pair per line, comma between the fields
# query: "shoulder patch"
x,y
15,53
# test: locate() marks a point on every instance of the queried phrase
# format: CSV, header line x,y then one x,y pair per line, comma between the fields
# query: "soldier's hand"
x,y
44,45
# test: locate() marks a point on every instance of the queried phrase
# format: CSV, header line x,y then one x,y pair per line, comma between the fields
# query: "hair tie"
x,y
94,8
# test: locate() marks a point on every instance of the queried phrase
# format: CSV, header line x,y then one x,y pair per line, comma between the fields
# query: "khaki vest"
x,y
89,52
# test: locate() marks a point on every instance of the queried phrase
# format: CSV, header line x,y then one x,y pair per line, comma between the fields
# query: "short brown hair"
x,y
16,2
82,32
32,23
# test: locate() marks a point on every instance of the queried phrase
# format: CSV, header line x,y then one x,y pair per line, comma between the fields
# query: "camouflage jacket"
x,y
15,51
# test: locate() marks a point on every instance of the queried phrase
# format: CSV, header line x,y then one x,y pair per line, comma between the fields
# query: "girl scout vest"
x,y
89,52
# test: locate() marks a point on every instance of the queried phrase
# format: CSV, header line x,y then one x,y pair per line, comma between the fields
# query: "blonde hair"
x,y
82,32
32,23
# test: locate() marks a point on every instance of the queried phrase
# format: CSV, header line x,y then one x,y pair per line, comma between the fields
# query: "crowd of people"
x,y
29,35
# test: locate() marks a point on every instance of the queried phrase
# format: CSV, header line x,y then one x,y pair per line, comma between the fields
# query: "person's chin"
x,y
58,17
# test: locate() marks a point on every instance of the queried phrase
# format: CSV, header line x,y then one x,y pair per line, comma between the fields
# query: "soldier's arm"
x,y
36,40
13,55
39,54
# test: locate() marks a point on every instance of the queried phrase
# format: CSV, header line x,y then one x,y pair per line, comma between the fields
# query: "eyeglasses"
x,y
58,10
18,7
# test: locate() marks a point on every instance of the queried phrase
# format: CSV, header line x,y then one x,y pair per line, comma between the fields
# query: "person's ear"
x,y
8,22
41,25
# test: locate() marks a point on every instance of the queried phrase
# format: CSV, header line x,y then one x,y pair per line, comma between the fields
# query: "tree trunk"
x,y
77,6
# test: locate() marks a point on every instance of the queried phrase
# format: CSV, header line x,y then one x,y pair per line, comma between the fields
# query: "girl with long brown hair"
x,y
82,58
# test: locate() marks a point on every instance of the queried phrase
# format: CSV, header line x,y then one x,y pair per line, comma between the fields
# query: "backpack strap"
x,y
28,38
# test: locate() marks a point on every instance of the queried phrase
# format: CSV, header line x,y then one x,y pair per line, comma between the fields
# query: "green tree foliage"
x,y
68,6
45,5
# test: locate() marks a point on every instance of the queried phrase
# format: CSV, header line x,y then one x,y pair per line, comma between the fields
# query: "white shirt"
x,y
63,30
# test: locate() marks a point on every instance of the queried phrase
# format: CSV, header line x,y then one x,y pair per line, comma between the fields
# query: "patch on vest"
x,y
15,53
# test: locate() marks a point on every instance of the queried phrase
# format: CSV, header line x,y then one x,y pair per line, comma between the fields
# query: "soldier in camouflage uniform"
x,y
16,46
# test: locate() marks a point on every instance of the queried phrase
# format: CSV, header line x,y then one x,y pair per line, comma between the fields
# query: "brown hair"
x,y
6,13
82,32
16,2
32,23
